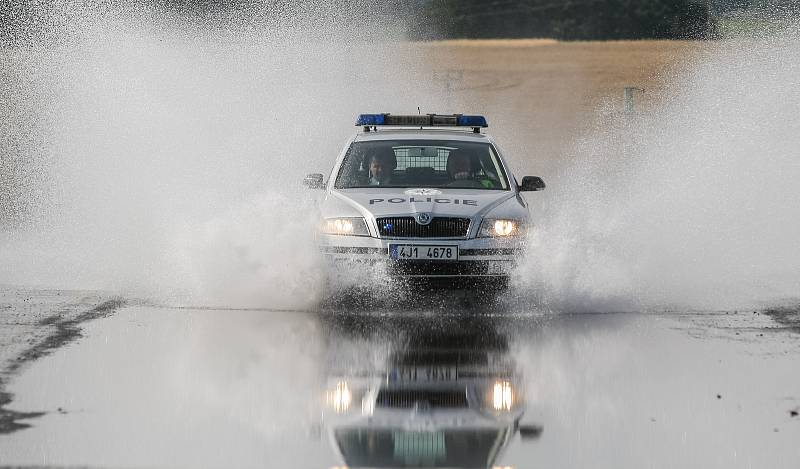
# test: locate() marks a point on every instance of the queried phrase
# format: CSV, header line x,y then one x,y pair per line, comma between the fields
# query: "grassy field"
x,y
552,90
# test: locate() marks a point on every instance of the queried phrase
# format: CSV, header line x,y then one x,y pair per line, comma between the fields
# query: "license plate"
x,y
415,374
416,252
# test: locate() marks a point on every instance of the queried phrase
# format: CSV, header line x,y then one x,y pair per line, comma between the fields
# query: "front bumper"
x,y
478,258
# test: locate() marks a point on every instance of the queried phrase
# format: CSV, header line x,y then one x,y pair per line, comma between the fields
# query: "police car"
x,y
427,196
435,404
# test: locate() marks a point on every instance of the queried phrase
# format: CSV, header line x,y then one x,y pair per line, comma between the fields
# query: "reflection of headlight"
x,y
353,226
502,396
339,398
499,228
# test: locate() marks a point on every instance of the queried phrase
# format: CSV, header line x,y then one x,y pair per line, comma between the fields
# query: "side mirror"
x,y
530,432
314,181
531,183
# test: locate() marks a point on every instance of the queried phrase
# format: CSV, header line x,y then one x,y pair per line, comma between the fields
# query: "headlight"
x,y
352,226
499,228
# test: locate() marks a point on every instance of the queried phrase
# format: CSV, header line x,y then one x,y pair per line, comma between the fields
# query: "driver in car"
x,y
462,170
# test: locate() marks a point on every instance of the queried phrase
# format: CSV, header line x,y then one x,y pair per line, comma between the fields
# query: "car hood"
x,y
379,202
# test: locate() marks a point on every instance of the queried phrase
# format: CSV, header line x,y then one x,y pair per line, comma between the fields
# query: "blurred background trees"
x,y
565,19
429,19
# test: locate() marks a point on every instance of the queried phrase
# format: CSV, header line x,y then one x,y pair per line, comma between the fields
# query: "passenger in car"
x,y
381,166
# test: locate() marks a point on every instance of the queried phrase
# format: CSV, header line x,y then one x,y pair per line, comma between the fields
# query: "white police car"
x,y
426,196
447,400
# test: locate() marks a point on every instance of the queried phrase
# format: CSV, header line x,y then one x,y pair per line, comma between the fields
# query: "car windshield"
x,y
444,164
466,448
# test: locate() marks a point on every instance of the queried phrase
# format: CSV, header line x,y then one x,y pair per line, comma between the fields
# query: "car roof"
x,y
421,134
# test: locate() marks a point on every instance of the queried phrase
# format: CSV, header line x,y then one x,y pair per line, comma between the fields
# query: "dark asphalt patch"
x,y
66,331
786,316
9,419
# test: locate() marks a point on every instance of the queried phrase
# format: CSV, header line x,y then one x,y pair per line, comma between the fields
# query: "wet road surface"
x,y
164,387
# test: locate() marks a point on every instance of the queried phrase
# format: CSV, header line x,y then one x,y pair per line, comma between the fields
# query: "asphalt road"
x,y
151,386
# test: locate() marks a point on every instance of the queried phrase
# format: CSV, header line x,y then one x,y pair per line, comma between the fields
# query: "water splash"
x,y
160,154
692,205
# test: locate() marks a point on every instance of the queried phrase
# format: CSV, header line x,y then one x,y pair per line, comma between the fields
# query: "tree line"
x,y
564,19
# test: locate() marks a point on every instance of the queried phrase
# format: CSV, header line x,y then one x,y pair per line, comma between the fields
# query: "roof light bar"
x,y
427,120
371,119
472,121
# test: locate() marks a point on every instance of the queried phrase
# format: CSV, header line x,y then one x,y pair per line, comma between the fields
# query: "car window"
x,y
448,447
440,164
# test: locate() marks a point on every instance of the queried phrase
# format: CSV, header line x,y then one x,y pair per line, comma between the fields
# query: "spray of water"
x,y
162,156
692,205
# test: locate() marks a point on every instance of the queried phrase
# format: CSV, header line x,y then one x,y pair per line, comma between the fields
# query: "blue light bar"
x,y
370,119
472,121
424,120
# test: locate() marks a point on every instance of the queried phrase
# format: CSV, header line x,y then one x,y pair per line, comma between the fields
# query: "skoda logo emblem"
x,y
423,218
423,191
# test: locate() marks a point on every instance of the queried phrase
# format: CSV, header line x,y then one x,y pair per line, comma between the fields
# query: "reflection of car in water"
x,y
427,197
452,401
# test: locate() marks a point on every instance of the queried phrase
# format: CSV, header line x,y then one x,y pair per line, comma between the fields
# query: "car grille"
x,y
407,398
407,227
434,268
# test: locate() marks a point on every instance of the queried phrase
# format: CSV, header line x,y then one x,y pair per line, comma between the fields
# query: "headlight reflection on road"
x,y
339,398
502,396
